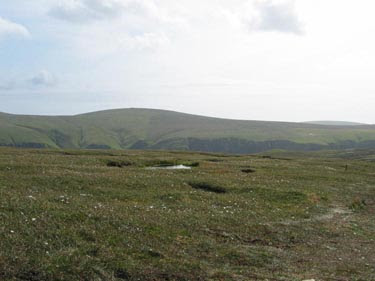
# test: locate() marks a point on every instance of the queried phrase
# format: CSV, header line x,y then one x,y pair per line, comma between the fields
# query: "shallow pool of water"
x,y
176,167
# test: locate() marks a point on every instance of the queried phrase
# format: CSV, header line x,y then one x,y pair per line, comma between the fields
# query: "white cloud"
x,y
8,28
275,16
103,43
43,79
104,27
146,41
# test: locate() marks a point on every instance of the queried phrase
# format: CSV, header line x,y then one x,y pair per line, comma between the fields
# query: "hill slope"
x,y
159,129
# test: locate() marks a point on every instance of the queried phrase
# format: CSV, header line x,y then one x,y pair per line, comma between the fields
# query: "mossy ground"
x,y
67,215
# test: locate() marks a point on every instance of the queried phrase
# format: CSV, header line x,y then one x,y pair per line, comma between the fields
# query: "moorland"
x,y
105,215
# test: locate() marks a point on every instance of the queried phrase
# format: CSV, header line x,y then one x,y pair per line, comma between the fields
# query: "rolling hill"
x,y
159,129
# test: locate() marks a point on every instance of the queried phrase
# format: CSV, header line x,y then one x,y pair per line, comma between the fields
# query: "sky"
x,y
280,60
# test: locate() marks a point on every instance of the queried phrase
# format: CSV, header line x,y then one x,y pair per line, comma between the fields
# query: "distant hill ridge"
x,y
336,123
135,128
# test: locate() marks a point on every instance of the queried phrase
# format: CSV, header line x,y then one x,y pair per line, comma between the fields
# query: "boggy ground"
x,y
101,215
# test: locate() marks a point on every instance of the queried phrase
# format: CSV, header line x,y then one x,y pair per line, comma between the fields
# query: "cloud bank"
x,y
84,11
213,56
87,11
42,79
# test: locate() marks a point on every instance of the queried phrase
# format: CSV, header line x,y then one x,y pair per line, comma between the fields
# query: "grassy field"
x,y
102,215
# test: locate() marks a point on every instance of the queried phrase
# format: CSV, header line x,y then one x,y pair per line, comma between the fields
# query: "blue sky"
x,y
278,60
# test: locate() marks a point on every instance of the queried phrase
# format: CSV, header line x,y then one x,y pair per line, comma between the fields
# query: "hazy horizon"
x,y
269,60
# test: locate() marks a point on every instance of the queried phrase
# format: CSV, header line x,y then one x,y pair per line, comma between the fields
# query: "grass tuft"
x,y
248,171
192,164
209,187
358,205
119,164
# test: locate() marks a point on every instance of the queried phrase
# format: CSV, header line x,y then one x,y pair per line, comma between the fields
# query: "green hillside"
x,y
159,129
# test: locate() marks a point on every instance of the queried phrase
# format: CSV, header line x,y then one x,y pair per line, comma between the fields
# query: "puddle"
x,y
176,167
